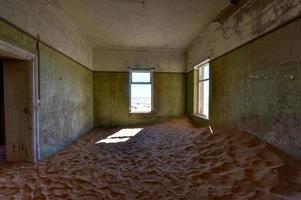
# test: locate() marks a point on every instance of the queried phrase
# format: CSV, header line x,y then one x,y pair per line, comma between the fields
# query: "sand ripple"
x,y
172,160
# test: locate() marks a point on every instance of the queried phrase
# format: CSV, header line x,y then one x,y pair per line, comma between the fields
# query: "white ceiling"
x,y
142,23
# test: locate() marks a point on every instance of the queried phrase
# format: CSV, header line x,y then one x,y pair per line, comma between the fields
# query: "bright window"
x,y
203,90
140,91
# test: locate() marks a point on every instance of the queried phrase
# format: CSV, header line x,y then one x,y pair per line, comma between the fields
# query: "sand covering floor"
x,y
171,160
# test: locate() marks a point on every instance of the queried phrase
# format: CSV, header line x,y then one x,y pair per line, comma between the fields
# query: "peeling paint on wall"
x,y
254,19
48,20
257,88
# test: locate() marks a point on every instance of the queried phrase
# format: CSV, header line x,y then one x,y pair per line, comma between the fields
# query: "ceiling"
x,y
142,23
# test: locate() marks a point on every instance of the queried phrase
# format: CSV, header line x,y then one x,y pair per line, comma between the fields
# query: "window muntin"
x,y
203,90
140,91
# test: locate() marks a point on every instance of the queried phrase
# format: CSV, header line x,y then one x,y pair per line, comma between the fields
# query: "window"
x,y
140,91
203,90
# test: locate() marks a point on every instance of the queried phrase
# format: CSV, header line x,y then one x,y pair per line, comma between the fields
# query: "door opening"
x,y
17,98
19,102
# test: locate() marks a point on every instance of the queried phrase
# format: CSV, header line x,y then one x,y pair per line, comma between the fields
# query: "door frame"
x,y
13,52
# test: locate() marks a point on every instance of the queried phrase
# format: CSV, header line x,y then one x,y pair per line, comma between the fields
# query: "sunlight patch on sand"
x,y
121,136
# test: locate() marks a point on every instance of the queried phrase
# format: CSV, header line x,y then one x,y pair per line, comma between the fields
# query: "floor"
x,y
171,160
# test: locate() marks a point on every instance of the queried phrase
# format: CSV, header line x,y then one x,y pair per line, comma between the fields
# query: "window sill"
x,y
201,116
141,113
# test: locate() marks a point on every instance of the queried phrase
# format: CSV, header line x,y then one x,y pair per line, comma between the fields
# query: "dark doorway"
x,y
18,104
2,117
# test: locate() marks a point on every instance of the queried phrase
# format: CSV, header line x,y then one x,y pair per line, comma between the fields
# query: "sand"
x,y
171,160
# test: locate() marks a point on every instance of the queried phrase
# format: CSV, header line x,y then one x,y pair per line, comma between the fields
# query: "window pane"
x,y
204,72
141,98
203,107
141,77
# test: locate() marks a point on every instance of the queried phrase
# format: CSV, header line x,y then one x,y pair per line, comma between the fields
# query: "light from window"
x,y
121,136
140,91
203,90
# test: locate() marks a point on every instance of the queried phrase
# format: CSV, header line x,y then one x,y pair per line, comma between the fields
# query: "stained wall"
x,y
120,60
257,88
252,19
46,19
111,99
66,109
111,84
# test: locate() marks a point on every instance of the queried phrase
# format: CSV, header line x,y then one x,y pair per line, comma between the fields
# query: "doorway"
x,y
18,137
18,105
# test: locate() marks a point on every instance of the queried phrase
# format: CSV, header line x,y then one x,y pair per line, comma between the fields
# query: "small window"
x,y
140,91
203,90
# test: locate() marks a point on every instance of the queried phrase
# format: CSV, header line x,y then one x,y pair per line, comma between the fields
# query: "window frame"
x,y
197,68
151,82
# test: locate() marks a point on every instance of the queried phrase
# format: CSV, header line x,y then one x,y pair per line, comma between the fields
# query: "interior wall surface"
x,y
111,98
66,93
257,88
119,60
251,20
46,19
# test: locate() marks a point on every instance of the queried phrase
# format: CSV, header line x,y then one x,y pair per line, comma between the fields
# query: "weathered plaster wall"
x,y
66,109
46,18
257,88
111,98
67,101
163,60
255,18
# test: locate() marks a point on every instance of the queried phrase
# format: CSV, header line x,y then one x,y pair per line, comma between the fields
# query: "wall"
x,y
111,98
66,109
163,60
257,88
46,18
2,122
67,101
111,84
253,19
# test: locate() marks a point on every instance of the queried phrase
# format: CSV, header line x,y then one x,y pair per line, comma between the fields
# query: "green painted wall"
x,y
257,88
111,98
67,101
66,109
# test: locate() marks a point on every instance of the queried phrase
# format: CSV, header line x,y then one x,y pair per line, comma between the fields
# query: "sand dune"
x,y
172,160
